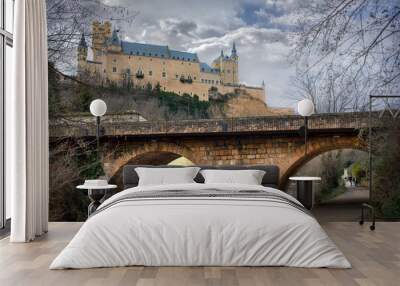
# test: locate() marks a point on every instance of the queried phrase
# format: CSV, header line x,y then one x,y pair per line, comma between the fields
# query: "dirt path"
x,y
352,195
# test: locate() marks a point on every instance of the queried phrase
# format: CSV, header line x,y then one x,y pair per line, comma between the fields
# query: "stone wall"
x,y
286,152
119,126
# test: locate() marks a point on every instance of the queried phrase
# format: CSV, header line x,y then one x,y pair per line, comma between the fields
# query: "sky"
x,y
262,29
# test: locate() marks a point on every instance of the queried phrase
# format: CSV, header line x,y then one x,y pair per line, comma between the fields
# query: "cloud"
x,y
176,27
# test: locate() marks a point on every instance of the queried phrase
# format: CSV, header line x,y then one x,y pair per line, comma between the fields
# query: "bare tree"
x,y
68,19
346,50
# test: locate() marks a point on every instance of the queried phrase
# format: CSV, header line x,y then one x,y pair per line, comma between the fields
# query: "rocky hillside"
x,y
68,96
244,105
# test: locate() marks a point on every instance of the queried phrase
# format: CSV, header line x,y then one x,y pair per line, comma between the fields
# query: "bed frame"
x,y
270,179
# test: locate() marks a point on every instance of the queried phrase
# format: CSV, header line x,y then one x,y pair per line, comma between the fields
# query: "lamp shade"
x,y
305,107
98,107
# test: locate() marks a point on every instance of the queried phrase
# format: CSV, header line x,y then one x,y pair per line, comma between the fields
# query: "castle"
x,y
140,65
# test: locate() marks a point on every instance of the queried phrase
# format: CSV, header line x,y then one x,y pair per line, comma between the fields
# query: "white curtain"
x,y
27,124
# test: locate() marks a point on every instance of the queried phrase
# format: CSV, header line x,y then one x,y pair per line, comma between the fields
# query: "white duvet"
x,y
200,231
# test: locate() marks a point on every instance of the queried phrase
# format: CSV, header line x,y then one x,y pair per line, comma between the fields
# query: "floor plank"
x,y
375,256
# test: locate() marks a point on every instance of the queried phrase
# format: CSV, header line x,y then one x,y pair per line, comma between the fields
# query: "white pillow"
x,y
166,176
248,177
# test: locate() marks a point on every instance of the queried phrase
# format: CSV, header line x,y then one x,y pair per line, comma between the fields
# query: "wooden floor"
x,y
375,257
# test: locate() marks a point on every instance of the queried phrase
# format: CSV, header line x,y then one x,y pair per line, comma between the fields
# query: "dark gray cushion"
x,y
270,179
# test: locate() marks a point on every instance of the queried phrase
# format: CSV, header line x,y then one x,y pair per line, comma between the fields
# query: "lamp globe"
x,y
98,107
305,107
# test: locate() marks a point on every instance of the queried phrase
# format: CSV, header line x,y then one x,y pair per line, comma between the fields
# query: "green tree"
x,y
357,171
385,169
149,87
82,99
157,88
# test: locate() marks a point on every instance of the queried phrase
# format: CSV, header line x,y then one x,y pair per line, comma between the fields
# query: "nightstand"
x,y
96,195
305,193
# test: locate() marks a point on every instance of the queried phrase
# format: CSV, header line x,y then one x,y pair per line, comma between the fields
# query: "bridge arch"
x,y
152,153
316,148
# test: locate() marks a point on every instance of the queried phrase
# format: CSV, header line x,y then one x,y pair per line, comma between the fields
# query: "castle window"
x,y
114,60
105,71
194,78
150,72
212,81
228,71
163,74
176,76
114,69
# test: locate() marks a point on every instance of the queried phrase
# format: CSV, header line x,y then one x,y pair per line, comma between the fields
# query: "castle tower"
x,y
100,34
228,66
235,65
82,54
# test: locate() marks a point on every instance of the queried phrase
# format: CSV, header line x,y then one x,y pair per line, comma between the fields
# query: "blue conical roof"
x,y
234,52
82,43
115,38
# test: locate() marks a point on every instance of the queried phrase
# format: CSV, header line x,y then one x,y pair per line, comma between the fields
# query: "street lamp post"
x,y
98,108
305,108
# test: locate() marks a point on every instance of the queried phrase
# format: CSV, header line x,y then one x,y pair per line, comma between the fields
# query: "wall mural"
x,y
233,69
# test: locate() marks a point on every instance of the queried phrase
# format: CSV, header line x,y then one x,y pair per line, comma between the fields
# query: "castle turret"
x,y
115,42
235,69
82,54
234,52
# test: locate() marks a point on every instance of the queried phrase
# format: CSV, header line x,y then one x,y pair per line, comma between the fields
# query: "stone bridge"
x,y
233,141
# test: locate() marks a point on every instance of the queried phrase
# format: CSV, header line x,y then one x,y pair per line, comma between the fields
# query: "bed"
x,y
201,224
